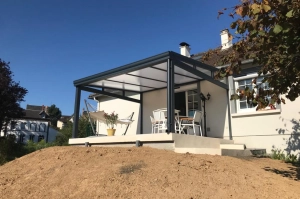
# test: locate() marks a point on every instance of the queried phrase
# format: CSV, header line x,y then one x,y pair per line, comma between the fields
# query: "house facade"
x,y
63,120
273,128
34,126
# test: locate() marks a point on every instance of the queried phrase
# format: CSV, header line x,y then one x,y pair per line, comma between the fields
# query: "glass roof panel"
x,y
138,81
184,72
151,73
178,79
118,85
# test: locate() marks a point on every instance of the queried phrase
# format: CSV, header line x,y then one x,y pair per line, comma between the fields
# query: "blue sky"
x,y
51,43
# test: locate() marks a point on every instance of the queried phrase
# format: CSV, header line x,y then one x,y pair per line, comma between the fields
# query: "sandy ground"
x,y
78,172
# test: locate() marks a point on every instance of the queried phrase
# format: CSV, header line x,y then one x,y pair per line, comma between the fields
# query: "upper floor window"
x,y
13,125
33,126
42,127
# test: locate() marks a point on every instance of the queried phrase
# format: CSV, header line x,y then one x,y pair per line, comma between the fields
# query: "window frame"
x,y
236,86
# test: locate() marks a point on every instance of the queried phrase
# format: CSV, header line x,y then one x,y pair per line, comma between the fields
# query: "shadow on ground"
x,y
293,171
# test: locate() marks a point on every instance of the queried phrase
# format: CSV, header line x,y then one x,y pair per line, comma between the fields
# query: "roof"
x,y
65,118
150,74
35,112
213,58
33,107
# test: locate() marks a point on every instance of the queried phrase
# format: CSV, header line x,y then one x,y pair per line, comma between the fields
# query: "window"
x,y
22,138
42,127
13,125
192,102
242,84
31,137
33,126
23,125
40,138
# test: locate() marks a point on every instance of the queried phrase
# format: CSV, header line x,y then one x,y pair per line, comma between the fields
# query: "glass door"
x,y
192,102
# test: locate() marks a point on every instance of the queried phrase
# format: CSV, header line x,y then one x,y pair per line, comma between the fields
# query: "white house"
x,y
33,126
63,120
143,86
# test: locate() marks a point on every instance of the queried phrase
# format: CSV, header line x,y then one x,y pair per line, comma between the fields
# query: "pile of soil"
x,y
96,172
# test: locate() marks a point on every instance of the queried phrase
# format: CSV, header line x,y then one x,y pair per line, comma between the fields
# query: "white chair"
x,y
160,118
154,124
193,122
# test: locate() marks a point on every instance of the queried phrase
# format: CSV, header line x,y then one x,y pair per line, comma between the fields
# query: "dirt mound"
x,y
77,172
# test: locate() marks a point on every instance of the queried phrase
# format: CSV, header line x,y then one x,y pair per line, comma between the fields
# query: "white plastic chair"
x,y
154,124
194,122
160,118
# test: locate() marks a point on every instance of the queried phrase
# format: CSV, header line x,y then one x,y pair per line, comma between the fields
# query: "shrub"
x,y
9,150
279,154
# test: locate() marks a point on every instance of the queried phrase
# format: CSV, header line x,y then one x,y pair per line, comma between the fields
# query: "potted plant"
x,y
110,120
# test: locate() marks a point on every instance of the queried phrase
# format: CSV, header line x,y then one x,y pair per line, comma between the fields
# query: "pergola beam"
x,y
109,94
158,59
193,62
199,74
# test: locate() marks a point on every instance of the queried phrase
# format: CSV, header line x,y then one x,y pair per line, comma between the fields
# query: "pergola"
x,y
166,70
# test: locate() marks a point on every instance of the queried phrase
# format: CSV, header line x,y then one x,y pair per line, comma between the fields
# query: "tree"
x,y
11,94
66,132
54,114
268,32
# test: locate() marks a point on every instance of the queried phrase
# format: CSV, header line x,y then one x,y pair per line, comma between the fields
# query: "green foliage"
x,y
9,149
66,132
11,94
54,114
31,146
267,31
278,154
110,119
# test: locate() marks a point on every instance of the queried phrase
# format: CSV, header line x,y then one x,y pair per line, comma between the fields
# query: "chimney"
x,y
185,49
226,43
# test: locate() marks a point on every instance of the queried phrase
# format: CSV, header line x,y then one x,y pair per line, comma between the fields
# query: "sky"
x,y
51,43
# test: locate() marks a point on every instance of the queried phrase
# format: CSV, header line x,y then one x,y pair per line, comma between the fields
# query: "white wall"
x,y
216,110
270,129
123,108
27,131
264,129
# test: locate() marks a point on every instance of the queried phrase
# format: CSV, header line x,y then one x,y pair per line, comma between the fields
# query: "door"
x,y
180,103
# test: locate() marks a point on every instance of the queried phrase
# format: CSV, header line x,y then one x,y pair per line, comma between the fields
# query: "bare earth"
x,y
96,172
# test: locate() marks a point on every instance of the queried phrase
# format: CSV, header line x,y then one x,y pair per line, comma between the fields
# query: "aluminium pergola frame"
x,y
173,60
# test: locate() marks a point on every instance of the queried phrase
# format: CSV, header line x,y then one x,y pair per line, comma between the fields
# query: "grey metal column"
x,y
142,112
76,112
198,96
170,97
229,114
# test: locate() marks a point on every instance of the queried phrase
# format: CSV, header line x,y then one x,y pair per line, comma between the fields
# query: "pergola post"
x,y
170,97
199,102
142,113
76,112
229,114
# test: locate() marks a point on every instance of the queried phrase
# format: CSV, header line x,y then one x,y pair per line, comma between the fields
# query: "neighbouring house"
x,y
34,125
63,120
176,81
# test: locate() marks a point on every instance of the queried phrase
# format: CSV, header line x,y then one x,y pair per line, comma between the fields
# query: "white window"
x,y
241,84
192,102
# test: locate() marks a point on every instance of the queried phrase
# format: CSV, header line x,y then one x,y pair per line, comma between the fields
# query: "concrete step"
x,y
245,152
233,146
